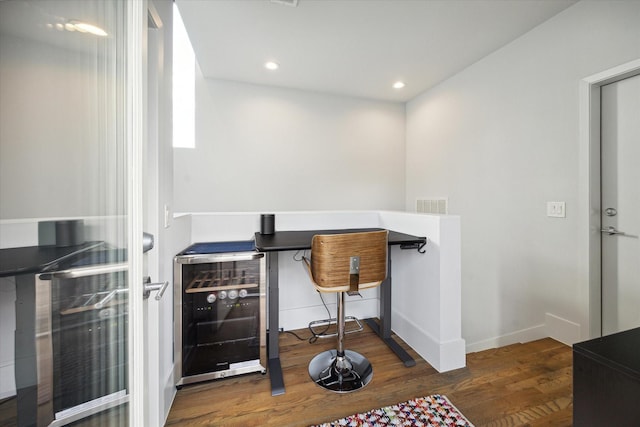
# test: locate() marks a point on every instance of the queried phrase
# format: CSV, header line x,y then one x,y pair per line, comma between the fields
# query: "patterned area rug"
x,y
435,411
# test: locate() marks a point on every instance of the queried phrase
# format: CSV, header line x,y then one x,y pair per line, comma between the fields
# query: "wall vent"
x,y
432,206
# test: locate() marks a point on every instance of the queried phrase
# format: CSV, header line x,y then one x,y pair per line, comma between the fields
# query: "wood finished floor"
x,y
518,385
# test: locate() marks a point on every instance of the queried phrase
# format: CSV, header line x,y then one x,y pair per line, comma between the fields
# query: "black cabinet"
x,y
606,381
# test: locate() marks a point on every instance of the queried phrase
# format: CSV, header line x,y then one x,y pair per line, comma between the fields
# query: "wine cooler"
x,y
220,301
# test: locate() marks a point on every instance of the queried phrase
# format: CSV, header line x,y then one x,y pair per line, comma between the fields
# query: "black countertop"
x,y
619,351
36,259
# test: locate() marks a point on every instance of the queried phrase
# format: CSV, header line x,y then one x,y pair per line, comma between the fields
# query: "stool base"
x,y
340,374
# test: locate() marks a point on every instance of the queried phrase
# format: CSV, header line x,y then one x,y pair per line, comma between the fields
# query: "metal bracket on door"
x,y
159,286
611,230
100,304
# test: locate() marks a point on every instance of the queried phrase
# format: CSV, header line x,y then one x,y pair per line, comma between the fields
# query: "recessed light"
x,y
271,65
398,85
84,27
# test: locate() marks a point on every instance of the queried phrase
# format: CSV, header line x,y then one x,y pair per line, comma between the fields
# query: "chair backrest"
x,y
331,259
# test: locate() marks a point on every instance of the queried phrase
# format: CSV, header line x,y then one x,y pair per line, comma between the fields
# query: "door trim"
x,y
589,195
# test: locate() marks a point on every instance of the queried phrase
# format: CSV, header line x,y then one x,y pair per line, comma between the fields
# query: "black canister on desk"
x,y
69,232
61,233
267,223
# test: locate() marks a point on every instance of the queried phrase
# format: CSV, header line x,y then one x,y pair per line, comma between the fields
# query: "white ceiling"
x,y
354,47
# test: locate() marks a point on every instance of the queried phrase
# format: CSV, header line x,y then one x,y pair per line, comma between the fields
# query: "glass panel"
x,y
63,212
184,85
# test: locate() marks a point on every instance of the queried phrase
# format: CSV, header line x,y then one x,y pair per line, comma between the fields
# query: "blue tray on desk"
x,y
220,247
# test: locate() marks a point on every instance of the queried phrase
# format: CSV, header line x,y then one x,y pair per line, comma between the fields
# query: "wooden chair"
x,y
345,263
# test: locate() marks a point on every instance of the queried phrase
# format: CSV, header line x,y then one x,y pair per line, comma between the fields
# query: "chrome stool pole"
x,y
340,370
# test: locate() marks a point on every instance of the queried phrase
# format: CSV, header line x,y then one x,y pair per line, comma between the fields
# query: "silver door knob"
x,y
147,242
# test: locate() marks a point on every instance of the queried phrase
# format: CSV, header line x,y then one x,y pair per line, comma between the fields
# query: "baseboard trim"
x,y
443,356
169,394
523,335
563,330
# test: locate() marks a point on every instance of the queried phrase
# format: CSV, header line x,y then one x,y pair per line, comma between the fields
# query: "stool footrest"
x,y
333,321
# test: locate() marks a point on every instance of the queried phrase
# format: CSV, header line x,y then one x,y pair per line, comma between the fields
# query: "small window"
x,y
184,100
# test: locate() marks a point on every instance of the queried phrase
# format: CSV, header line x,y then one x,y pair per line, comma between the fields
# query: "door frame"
x,y
589,221
135,135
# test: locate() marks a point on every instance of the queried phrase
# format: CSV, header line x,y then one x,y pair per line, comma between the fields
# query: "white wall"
x,y
500,139
264,149
426,288
49,131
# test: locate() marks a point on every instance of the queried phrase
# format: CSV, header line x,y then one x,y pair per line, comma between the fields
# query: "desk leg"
x,y
25,351
384,329
273,349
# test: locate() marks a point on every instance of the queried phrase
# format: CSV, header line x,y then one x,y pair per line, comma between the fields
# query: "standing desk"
x,y
271,244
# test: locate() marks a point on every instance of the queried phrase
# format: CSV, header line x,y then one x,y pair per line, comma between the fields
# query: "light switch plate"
x,y
167,216
556,209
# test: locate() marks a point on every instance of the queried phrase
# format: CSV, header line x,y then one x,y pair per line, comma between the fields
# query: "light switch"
x,y
556,209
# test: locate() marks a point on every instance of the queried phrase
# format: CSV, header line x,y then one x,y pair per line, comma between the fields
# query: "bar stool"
x,y
345,263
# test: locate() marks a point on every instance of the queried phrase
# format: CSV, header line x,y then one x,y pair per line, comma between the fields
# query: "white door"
x,y
620,205
158,307
71,142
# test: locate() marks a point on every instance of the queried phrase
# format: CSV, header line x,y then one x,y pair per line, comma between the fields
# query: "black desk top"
x,y
619,351
36,259
297,240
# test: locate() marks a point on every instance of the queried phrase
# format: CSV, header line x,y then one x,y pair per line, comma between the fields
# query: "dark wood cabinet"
x,y
606,381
